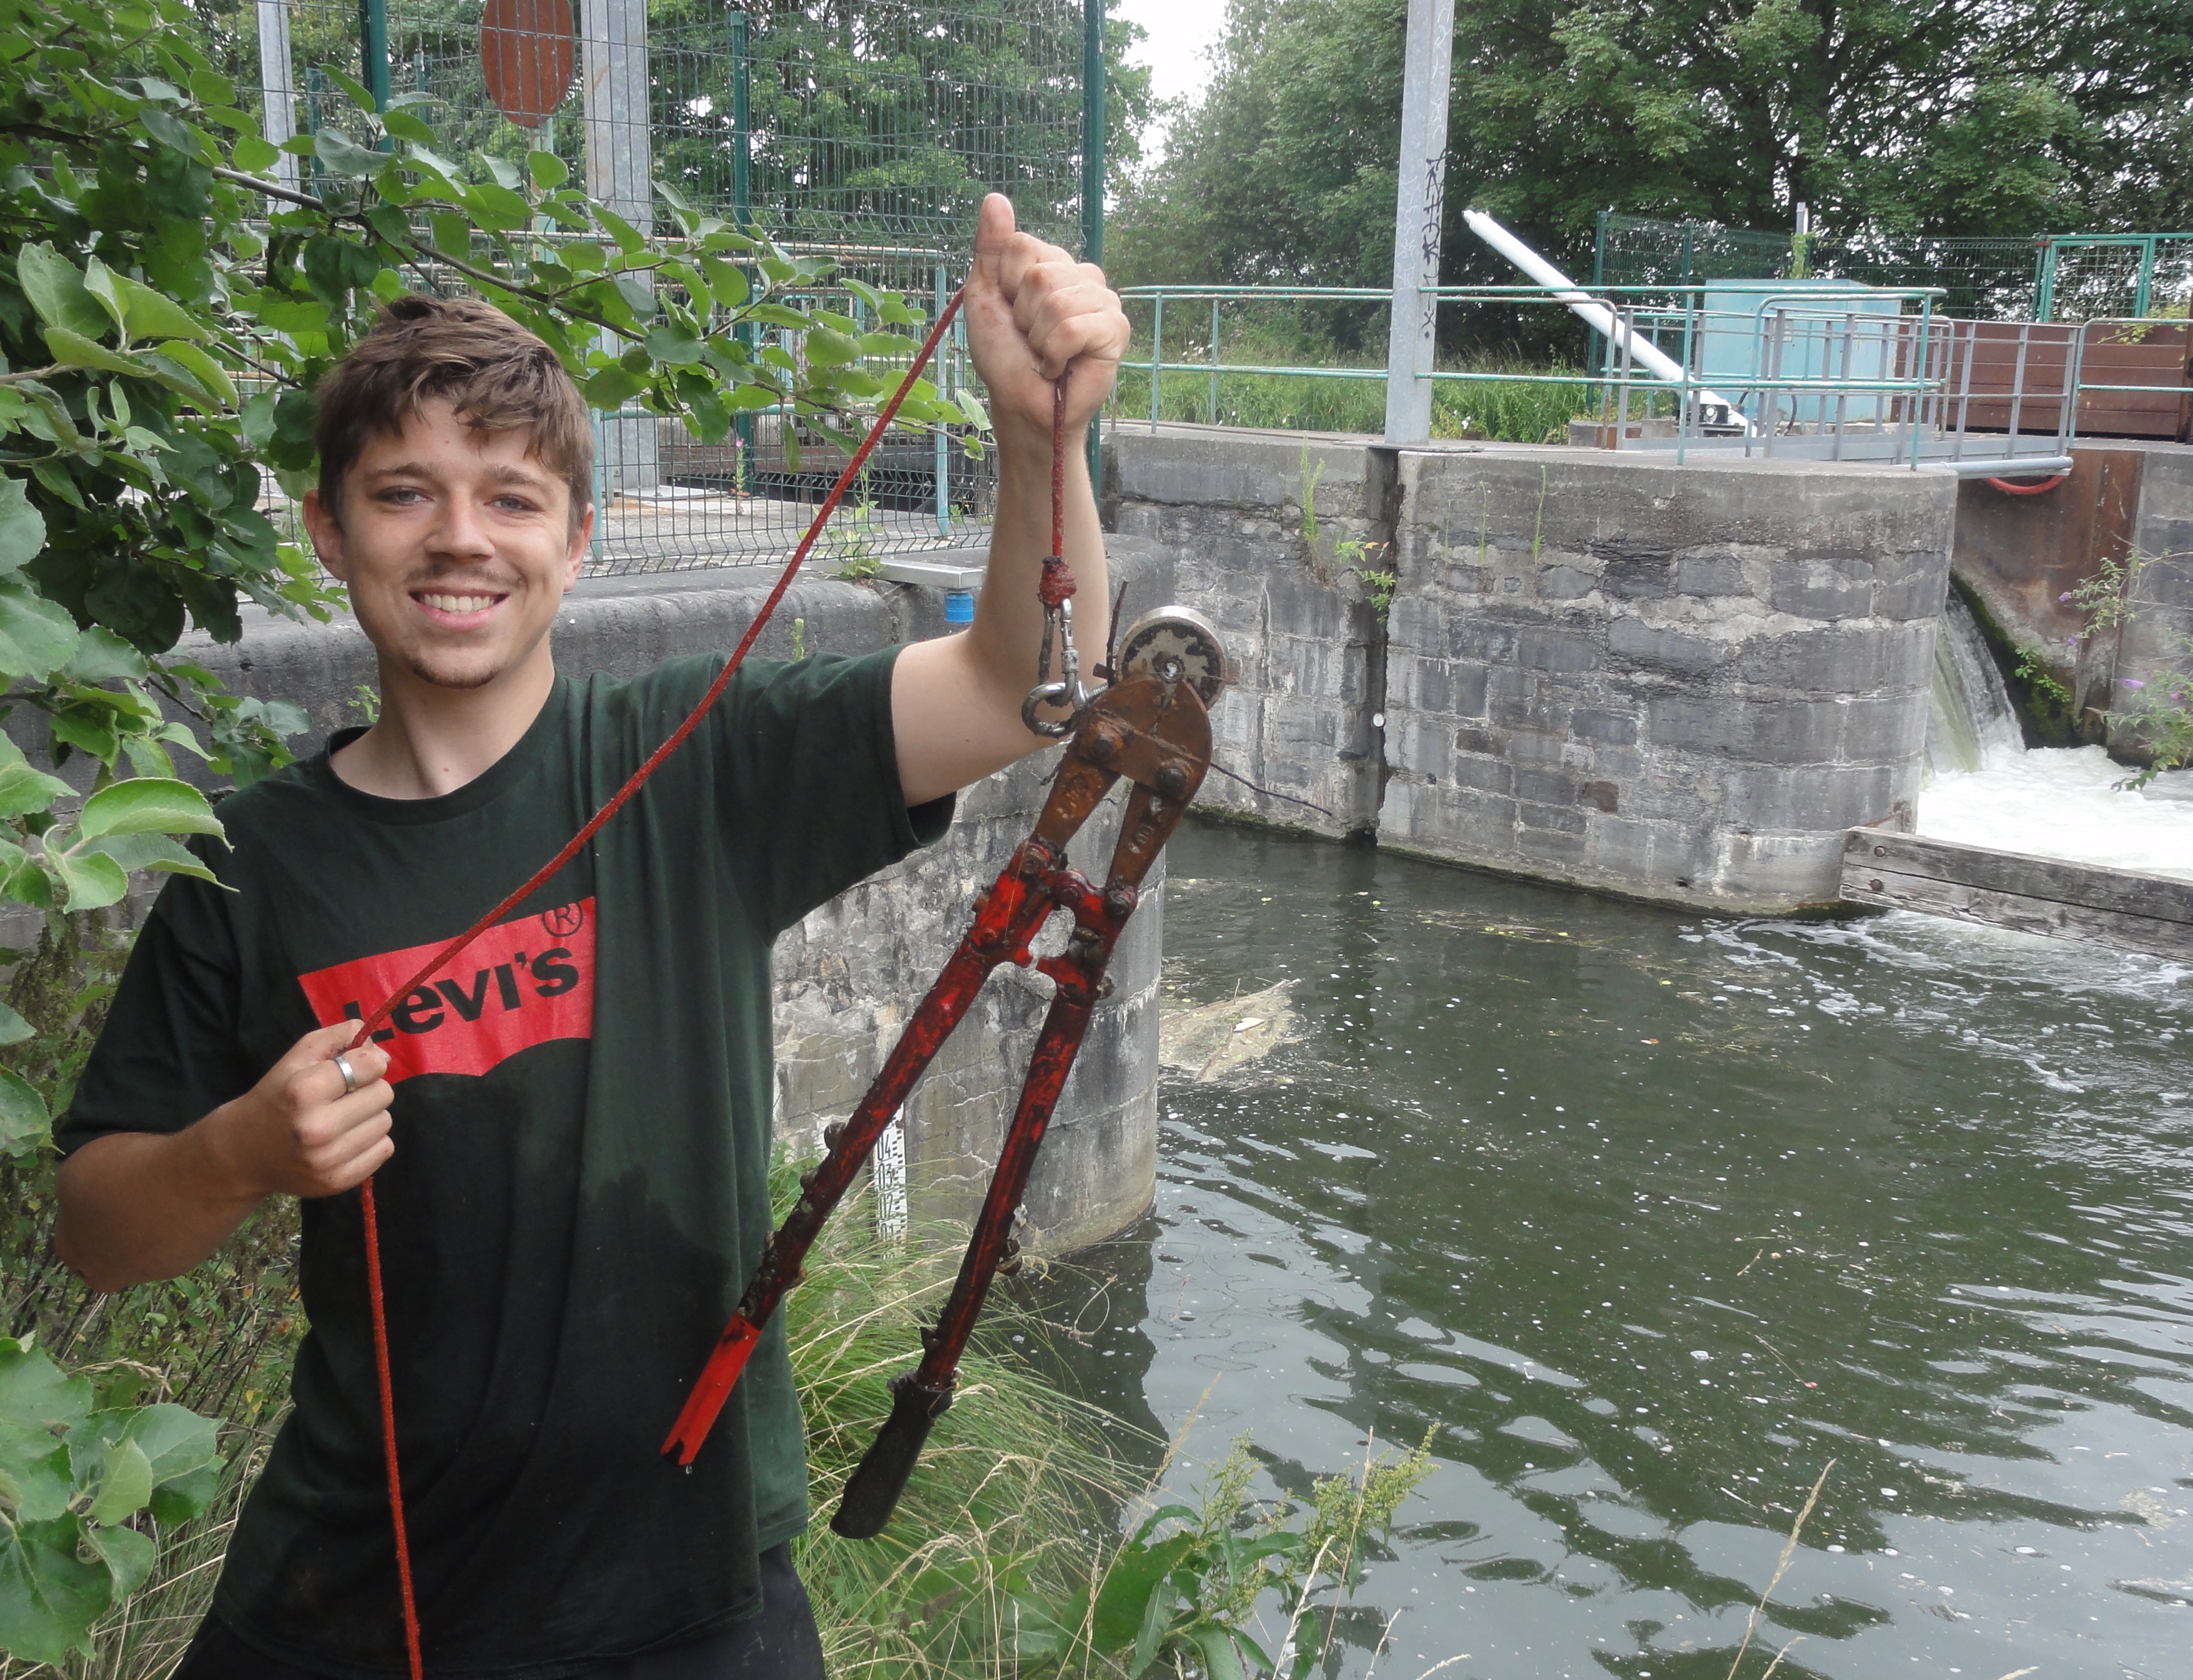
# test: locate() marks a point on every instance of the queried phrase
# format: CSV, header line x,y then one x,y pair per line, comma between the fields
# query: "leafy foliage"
x,y
83,1491
166,311
1185,1588
1942,116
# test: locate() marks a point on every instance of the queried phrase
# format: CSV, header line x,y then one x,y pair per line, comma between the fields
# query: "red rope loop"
x,y
535,880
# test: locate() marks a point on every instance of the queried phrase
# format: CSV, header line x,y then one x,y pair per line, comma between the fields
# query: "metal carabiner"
x,y
1068,691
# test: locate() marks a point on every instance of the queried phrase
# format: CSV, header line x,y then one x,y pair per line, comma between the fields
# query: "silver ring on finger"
x,y
349,1074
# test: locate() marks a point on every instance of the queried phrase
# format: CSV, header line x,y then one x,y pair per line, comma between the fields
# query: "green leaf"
x,y
208,372
496,208
612,388
91,880
673,346
37,636
453,234
124,1486
24,790
185,1496
404,125
971,406
353,88
1157,1622
22,527
1221,1660
136,853
25,1123
548,171
49,1595
128,1556
101,282
169,131
55,287
88,732
1137,1571
13,1029
777,315
74,350
147,805
152,315
102,656
339,154
34,1394
35,1474
828,348
175,1441
252,155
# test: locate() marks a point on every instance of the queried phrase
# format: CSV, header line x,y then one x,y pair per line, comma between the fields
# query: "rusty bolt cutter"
x,y
1151,726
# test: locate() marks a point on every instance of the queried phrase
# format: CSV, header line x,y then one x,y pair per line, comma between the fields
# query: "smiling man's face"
x,y
456,545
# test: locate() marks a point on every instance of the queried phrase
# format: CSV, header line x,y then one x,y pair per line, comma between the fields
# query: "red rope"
x,y
1056,583
533,882
388,1425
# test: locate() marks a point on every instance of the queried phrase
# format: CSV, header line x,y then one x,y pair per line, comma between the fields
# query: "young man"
x,y
570,1129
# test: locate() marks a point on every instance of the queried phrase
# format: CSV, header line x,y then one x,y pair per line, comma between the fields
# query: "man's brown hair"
x,y
496,375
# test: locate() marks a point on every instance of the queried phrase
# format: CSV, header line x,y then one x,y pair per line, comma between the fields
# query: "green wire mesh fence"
x,y
864,132
1985,279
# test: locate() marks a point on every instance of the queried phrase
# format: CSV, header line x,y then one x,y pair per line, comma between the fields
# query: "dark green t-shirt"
x,y
579,1189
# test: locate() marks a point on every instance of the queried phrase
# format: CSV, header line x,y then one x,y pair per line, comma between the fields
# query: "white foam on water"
x,y
1985,788
2060,803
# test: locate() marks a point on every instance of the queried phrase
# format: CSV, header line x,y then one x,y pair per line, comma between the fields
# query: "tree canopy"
x,y
1936,117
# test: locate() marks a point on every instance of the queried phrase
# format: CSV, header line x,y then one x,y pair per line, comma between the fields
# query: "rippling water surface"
x,y
1655,1216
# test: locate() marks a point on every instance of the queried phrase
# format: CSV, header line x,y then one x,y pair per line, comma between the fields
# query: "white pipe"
x,y
1592,312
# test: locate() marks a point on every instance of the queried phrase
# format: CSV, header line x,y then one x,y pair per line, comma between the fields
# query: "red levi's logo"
x,y
521,983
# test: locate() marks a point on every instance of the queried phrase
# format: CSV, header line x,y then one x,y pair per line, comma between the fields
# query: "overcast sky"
x,y
1179,31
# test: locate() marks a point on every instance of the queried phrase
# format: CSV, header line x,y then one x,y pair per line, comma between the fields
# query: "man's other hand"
x,y
298,1132
1031,309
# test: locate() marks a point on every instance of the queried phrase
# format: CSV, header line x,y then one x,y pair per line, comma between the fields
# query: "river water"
x,y
1654,1215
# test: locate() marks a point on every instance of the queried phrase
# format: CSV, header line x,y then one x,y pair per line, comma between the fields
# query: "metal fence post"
x,y
1420,204
613,49
1214,361
373,49
278,83
1092,181
943,438
1157,353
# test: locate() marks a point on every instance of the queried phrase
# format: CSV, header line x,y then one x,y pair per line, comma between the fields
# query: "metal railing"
x,y
1771,370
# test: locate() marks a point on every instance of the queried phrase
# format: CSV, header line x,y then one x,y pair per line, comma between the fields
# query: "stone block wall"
x,y
1679,683
848,976
1682,682
1263,530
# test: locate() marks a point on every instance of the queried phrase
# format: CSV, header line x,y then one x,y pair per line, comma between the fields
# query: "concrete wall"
x,y
848,976
2159,637
1596,667
1262,530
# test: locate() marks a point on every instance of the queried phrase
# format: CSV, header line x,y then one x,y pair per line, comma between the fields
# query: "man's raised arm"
x,y
1031,310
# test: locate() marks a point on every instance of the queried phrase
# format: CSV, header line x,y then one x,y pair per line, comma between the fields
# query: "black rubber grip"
x,y
873,1493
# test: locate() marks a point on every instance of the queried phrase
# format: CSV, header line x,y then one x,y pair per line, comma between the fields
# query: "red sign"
x,y
521,983
526,51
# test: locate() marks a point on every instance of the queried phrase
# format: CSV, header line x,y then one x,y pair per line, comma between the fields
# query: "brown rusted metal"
x,y
1155,733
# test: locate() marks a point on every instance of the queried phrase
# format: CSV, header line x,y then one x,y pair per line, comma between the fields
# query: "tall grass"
x,y
1018,1492
1521,411
1018,1496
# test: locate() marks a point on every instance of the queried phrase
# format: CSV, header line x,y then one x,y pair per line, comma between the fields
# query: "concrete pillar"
x,y
277,85
613,69
1418,203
